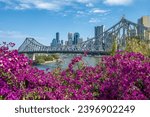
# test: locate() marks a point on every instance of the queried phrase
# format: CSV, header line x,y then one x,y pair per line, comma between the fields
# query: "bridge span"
x,y
100,45
69,52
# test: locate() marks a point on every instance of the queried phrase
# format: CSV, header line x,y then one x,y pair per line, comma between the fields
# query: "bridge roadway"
x,y
69,52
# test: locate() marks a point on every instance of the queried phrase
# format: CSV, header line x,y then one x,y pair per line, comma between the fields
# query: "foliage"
x,y
137,45
39,61
122,76
55,56
43,58
114,47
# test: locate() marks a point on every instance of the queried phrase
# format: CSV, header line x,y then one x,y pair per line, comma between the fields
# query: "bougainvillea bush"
x,y
119,77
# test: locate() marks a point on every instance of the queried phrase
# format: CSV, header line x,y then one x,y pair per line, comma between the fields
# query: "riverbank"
x,y
45,59
48,62
54,61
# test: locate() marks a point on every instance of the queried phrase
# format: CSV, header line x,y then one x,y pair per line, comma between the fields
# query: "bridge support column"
x,y
33,57
30,56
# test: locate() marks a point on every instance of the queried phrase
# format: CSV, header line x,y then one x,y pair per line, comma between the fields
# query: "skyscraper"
x,y
54,43
145,21
80,40
98,31
57,37
76,38
70,38
62,42
98,34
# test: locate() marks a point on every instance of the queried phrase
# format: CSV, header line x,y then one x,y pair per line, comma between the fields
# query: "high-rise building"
x,y
76,38
98,31
54,43
69,35
62,42
57,37
98,34
70,38
80,40
145,21
66,43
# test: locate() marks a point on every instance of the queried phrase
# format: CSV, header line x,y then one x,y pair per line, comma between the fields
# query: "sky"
x,y
41,19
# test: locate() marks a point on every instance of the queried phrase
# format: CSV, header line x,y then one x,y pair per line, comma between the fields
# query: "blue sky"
x,y
41,19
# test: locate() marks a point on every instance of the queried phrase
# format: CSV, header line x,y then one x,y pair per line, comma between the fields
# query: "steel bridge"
x,y
97,45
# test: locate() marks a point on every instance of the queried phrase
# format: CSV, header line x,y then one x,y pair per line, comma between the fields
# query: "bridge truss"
x,y
119,32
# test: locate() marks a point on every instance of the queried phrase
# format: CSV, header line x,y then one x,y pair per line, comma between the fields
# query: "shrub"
x,y
138,45
114,47
42,58
39,61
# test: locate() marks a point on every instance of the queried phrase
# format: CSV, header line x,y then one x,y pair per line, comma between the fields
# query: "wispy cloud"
x,y
79,7
11,35
55,5
89,5
118,2
44,4
98,10
22,7
81,13
94,20
34,4
92,12
84,1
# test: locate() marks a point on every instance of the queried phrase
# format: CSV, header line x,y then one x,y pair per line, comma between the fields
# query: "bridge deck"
x,y
70,52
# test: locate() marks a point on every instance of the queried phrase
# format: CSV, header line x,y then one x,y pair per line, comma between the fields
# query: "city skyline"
x,y
41,19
